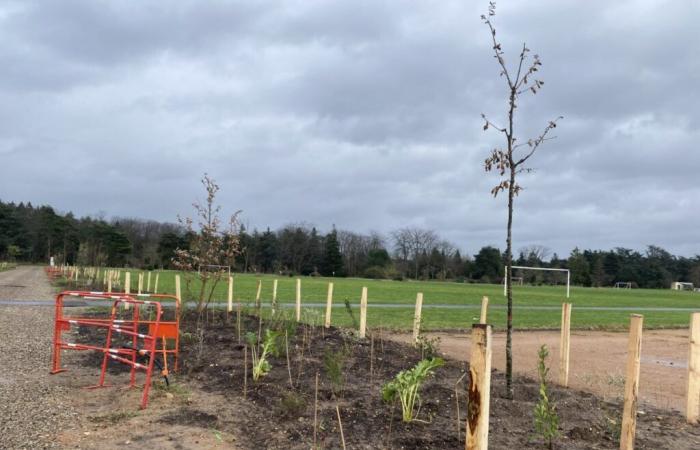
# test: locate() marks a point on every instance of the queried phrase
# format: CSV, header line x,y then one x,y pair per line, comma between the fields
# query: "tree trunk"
x,y
509,253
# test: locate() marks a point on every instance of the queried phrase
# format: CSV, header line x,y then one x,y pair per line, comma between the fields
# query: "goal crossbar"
x,y
548,269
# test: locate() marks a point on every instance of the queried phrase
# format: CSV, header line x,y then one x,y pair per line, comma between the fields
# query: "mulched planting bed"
x,y
278,414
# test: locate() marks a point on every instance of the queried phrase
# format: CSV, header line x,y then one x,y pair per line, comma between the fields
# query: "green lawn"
x,y
448,293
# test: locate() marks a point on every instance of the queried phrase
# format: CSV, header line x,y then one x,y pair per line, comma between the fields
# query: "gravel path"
x,y
33,409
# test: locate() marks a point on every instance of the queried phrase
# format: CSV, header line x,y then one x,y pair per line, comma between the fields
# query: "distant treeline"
x,y
33,234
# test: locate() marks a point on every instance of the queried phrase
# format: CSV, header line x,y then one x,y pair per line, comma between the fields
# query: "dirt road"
x,y
597,360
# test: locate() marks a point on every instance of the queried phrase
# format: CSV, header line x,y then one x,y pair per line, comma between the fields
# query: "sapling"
x,y
261,366
406,384
546,418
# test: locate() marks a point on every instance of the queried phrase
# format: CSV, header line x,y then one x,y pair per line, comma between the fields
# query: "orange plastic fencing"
x,y
149,328
169,329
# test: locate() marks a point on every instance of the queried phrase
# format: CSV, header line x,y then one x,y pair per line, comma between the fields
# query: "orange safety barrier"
x,y
129,328
167,330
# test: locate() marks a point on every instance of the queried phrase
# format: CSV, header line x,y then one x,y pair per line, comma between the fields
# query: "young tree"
x,y
510,162
210,244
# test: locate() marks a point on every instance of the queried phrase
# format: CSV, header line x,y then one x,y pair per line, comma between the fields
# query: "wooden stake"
x,y
693,405
274,295
340,425
484,309
298,304
178,292
148,282
564,344
363,313
629,415
109,284
316,411
257,295
479,388
245,371
289,365
230,294
140,283
417,316
329,305
127,287
155,286
238,320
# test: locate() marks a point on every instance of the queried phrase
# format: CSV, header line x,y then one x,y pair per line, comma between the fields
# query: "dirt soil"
x,y
277,412
597,360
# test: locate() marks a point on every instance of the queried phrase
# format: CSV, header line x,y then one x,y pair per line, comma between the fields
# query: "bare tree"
x,y
412,243
212,244
511,161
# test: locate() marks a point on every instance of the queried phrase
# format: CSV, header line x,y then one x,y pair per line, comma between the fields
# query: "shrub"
x,y
406,384
375,272
333,364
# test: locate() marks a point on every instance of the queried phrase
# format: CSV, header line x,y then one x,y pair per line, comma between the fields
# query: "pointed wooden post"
x,y
109,284
257,295
155,284
127,287
363,313
629,414
274,295
564,344
417,316
329,305
484,309
178,292
479,388
140,291
298,297
230,294
693,404
148,282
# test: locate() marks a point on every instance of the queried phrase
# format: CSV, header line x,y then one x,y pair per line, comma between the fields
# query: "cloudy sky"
x,y
364,114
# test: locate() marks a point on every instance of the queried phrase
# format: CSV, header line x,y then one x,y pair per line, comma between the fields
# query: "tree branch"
x,y
534,144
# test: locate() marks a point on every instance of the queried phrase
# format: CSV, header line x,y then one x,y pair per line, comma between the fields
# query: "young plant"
x,y
546,418
428,347
261,366
406,384
348,309
333,364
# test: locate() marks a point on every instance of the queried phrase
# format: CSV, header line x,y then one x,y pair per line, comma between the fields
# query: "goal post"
x,y
547,269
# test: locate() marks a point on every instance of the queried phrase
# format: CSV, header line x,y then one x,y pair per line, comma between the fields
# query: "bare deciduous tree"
x,y
211,244
511,161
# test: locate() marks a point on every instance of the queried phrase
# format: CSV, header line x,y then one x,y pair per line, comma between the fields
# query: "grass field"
x,y
535,307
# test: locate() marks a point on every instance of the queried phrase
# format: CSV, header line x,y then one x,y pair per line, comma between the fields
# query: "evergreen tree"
x,y
332,259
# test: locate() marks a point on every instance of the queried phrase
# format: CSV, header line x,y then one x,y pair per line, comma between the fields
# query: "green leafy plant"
x,y
546,418
261,366
406,385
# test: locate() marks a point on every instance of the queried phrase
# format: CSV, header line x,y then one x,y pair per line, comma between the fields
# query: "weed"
x,y
406,384
546,418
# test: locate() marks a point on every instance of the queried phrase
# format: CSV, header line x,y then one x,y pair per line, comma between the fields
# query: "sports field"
x,y
448,305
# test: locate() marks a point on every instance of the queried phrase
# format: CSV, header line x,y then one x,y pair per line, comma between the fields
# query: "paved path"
x,y
32,408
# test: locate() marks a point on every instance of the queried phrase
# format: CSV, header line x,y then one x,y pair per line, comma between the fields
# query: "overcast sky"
x,y
364,114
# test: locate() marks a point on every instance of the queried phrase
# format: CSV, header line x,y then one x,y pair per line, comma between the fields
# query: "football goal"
x,y
546,269
623,285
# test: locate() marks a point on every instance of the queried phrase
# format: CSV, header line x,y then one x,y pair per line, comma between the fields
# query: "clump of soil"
x,y
277,412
